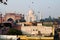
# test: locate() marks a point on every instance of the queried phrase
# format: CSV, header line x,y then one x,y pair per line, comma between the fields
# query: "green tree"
x,y
14,32
58,17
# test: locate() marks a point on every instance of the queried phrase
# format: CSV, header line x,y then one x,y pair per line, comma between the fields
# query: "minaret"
x,y
40,16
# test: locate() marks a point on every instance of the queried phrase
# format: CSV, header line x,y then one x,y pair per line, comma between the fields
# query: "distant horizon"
x,y
27,15
45,7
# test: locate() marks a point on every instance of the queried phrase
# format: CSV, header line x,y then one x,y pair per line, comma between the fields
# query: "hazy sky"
x,y
45,7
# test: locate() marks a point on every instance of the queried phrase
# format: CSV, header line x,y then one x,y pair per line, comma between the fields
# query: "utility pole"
x,y
1,16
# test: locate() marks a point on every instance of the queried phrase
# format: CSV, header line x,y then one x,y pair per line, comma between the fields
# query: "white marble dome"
x,y
31,12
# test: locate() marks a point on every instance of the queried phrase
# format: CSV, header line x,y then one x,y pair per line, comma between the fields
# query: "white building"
x,y
30,17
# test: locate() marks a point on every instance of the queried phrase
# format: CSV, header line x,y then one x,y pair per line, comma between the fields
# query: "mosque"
x,y
29,18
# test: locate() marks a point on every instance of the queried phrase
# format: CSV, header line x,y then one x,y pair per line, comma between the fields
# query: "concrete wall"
x,y
35,29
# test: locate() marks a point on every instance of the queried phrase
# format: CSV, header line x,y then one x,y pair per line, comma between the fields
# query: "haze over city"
x,y
44,7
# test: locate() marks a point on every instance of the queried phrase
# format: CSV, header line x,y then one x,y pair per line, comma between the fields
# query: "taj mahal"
x,y
29,18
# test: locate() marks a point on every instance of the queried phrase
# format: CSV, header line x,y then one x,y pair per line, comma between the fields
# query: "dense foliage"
x,y
14,32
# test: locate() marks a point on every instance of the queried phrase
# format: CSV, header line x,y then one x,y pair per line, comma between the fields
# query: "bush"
x,y
14,32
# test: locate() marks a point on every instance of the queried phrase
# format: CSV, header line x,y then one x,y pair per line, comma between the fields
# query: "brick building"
x,y
12,16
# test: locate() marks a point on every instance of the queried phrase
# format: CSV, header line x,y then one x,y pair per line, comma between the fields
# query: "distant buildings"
x,y
31,17
12,16
28,25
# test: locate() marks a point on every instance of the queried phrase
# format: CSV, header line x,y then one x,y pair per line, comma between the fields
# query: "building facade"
x,y
12,16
